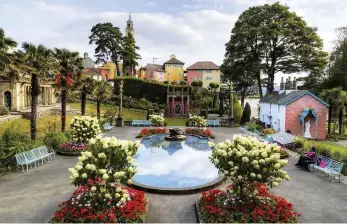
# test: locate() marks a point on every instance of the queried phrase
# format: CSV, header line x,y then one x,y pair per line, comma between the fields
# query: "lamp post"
x,y
120,114
231,112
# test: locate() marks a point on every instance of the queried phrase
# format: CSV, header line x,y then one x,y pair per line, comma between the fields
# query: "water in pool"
x,y
174,164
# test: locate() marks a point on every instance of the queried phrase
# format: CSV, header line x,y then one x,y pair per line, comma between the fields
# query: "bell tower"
x,y
130,26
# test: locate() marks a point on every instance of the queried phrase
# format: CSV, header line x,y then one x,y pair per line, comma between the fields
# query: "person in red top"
x,y
306,159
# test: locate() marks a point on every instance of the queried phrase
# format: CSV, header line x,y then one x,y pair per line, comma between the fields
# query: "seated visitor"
x,y
306,159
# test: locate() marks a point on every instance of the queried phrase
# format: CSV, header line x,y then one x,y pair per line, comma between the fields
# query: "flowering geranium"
x,y
84,128
108,161
199,131
246,162
198,121
82,207
157,120
151,131
223,206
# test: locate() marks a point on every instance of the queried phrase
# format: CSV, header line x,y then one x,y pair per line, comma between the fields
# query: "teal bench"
x,y
213,123
139,123
108,127
333,167
34,156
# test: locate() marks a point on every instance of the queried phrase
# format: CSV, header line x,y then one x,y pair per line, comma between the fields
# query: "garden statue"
x,y
307,133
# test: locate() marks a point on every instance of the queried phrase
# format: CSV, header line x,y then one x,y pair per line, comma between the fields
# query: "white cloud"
x,y
151,3
198,32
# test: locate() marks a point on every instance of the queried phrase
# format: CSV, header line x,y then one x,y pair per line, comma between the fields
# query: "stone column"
x,y
182,105
173,105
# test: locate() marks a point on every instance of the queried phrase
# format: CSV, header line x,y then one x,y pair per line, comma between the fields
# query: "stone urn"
x,y
175,134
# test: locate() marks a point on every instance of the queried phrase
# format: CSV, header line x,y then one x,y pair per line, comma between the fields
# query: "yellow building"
x,y
174,70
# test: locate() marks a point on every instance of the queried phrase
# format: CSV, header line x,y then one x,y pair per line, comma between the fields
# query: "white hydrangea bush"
x,y
198,121
84,128
157,120
107,163
246,162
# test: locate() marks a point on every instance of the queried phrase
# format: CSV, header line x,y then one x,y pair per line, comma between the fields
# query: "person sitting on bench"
x,y
306,159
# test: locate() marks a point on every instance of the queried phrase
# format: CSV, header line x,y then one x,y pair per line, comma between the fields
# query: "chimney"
x,y
282,84
85,55
286,85
290,83
294,83
172,56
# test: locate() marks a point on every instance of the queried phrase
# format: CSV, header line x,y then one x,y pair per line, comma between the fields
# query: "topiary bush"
x,y
237,109
246,114
203,113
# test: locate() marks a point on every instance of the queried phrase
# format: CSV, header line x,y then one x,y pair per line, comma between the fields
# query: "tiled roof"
x,y
203,65
285,99
174,61
156,67
88,63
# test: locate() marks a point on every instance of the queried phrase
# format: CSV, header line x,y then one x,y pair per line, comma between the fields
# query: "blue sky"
x,y
193,30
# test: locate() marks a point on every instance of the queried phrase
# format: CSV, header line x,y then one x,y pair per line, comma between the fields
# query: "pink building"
x,y
178,101
193,75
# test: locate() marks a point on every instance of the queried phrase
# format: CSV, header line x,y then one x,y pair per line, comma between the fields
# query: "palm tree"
x,y
6,44
103,90
70,65
86,85
10,62
38,63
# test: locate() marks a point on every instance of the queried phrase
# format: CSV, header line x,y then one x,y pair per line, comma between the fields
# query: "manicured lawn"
x,y
42,124
23,125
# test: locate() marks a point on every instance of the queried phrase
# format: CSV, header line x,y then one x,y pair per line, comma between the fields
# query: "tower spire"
x,y
129,16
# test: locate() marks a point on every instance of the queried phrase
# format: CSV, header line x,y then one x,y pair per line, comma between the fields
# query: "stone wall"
x,y
51,112
6,118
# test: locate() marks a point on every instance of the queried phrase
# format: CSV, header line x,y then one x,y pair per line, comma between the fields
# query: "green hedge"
x,y
138,88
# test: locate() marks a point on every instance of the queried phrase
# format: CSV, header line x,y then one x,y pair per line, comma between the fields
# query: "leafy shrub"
x,y
246,114
11,143
4,110
299,142
269,131
157,120
252,127
194,111
53,137
337,137
84,128
197,121
246,162
204,114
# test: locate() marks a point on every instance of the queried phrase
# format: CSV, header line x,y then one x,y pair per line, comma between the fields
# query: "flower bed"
x,y
222,206
84,128
151,131
197,121
80,208
71,148
204,132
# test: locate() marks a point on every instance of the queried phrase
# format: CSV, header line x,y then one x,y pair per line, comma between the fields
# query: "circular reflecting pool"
x,y
174,164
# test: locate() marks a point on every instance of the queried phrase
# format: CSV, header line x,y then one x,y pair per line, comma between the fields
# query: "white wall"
x,y
277,113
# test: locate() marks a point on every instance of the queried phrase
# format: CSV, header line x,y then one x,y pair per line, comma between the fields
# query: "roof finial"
x,y
129,15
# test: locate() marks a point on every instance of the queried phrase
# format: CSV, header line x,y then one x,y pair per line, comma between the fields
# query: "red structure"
x,y
178,101
308,108
193,75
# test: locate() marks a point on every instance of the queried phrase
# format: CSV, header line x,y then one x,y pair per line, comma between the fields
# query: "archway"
x,y
8,99
178,109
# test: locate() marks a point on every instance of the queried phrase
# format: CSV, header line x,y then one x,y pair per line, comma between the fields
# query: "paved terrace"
x,y
34,196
